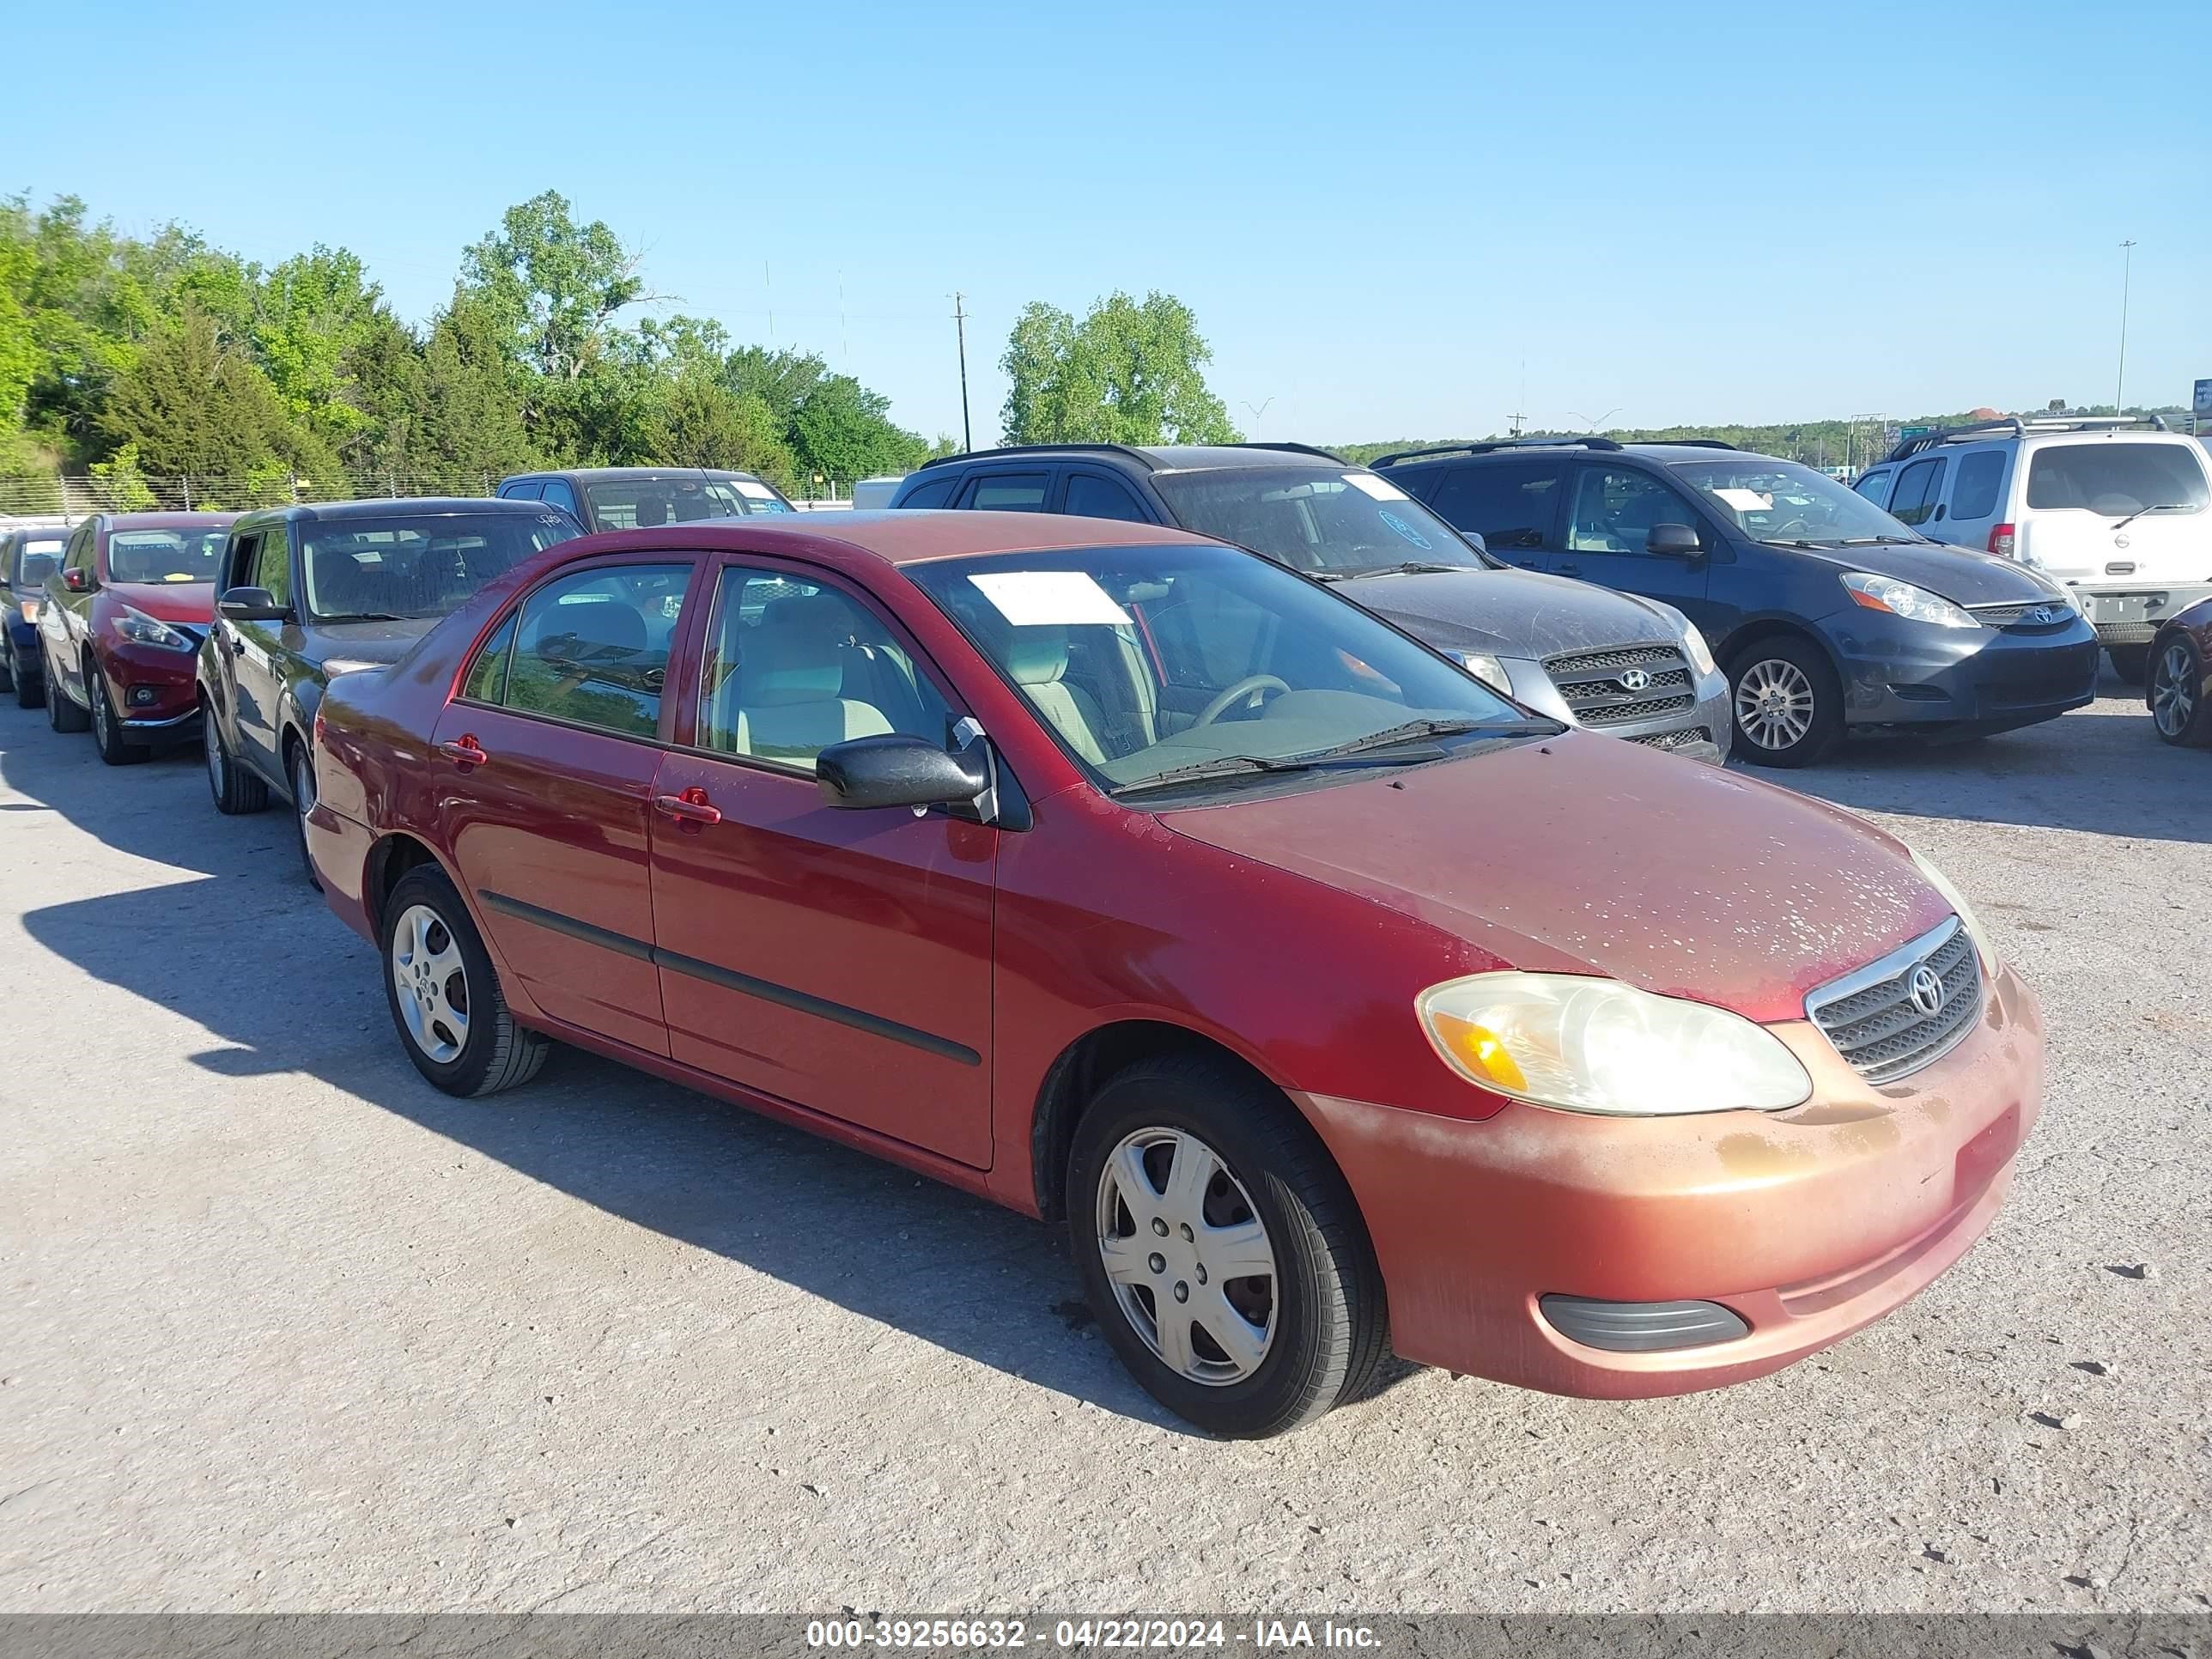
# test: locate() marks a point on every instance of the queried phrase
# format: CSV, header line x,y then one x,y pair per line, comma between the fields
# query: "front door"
x,y
553,741
1611,511
839,959
256,650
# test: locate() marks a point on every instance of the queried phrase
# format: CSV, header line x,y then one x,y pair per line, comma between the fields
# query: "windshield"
x,y
35,560
165,555
1324,520
2116,479
417,565
1773,501
643,503
1152,663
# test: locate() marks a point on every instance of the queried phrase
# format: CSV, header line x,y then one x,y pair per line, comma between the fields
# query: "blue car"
x,y
1825,613
26,556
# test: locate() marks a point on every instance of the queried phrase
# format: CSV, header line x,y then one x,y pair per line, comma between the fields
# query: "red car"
x,y
1334,1003
126,611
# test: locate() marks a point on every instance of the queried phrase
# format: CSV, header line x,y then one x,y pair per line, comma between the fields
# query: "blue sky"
x,y
1669,214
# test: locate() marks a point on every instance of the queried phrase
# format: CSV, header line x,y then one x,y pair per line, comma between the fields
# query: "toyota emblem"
x,y
1926,992
1636,679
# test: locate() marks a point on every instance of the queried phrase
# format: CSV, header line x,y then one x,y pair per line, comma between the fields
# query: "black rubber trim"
x,y
1641,1326
766,990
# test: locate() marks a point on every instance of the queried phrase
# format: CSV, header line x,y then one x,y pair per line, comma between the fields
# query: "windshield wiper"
x,y
2162,507
363,615
1411,567
1390,735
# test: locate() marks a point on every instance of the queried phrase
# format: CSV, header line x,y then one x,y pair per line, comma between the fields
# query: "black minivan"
x,y
1823,611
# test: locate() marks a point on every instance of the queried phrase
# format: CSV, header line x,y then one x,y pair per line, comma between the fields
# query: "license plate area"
x,y
2107,608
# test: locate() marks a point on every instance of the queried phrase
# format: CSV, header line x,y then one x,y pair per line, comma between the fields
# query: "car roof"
x,y
392,506
168,520
621,474
1150,457
893,536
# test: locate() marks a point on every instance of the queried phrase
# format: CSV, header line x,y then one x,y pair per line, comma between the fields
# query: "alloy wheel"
x,y
1774,703
433,983
2173,693
1189,1260
217,764
101,714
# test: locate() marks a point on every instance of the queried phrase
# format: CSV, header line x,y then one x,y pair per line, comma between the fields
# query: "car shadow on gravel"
x,y
236,941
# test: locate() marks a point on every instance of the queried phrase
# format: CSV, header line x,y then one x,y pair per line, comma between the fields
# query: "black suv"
x,y
1825,611
644,497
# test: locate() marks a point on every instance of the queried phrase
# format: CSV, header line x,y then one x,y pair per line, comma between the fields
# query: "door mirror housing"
x,y
1474,539
77,580
1673,541
252,604
895,770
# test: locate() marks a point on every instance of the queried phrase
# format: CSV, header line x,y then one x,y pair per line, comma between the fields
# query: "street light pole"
x,y
960,324
2127,271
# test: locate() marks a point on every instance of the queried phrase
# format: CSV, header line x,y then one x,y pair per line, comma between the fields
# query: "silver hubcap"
x,y
432,982
1188,1256
303,786
99,704
1774,703
2173,695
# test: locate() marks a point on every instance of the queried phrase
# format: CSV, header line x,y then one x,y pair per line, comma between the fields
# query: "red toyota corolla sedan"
x,y
1333,1002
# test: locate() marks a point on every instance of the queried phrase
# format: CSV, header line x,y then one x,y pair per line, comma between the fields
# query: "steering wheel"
x,y
1235,694
1798,526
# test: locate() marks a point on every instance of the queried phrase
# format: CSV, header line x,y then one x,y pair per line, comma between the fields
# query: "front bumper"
x,y
1978,679
1806,1224
1701,730
154,693
2130,612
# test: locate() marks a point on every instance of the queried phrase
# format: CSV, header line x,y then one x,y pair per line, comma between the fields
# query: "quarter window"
x,y
1919,487
1974,491
592,648
1009,492
1508,503
794,666
1615,512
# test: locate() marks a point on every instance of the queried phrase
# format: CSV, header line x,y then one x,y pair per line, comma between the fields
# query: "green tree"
x,y
312,315
843,431
193,403
697,421
1130,373
554,286
472,417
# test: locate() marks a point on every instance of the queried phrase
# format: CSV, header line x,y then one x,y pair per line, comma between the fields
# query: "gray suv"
x,y
1615,663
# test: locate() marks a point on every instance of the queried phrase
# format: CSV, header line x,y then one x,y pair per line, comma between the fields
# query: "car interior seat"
x,y
786,699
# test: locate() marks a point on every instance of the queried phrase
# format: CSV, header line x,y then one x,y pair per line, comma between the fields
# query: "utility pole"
x,y
2127,270
960,324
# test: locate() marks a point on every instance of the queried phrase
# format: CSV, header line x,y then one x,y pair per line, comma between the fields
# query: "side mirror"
x,y
1673,541
77,580
1474,539
252,604
899,771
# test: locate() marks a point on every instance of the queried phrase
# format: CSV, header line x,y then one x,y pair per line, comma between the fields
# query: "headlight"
x,y
1904,599
1936,878
1489,671
1701,654
1595,1045
30,609
141,630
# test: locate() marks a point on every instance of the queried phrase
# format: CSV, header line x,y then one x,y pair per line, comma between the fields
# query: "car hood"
x,y
171,602
1583,854
1958,574
379,644
1509,613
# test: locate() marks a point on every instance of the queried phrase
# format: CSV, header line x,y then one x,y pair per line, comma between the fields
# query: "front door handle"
x,y
1568,568
463,751
688,808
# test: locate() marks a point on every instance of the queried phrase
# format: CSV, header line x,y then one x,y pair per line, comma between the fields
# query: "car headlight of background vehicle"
x,y
1700,654
141,630
1595,1045
1904,599
1490,672
1936,878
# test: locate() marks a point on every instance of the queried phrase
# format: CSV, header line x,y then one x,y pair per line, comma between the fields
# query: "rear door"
x,y
1611,513
553,742
1514,504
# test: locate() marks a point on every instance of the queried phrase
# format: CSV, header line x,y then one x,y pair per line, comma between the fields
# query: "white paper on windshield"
x,y
751,491
1381,489
1747,500
1050,598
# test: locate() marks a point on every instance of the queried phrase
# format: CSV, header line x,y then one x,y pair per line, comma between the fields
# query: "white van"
x,y
2115,508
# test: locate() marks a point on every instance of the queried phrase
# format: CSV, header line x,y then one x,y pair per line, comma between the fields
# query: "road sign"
x,y
1905,432
2202,404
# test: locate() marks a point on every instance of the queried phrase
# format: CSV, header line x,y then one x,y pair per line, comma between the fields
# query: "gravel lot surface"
x,y
282,1327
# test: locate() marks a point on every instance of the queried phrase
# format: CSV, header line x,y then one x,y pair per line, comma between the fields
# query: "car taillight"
x,y
317,740
2002,541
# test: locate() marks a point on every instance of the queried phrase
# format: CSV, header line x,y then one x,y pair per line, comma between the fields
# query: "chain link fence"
x,y
72,496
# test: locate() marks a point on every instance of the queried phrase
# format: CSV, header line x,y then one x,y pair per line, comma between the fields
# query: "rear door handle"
x,y
463,751
690,807
1568,568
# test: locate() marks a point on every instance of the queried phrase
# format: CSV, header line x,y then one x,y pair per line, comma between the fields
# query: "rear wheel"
x,y
236,789
2130,662
300,767
61,713
445,994
1220,1250
1789,703
2178,707
115,749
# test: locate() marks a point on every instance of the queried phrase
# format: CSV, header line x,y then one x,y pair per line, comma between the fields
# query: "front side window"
x,y
1974,491
1319,519
165,555
1507,503
2117,478
1009,492
527,490
794,666
592,648
1874,486
272,565
936,493
1615,511
556,493
1090,495
1201,668
382,568
1786,504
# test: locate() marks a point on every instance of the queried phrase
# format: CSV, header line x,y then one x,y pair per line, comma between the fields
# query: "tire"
x,y
2180,712
1793,700
30,691
2130,662
1324,1326
300,770
7,668
106,726
61,714
487,1051
236,790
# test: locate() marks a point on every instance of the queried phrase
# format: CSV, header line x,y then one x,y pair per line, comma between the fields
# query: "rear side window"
x,y
1974,491
486,680
2116,479
529,489
557,494
1508,503
936,493
1917,488
592,648
1009,492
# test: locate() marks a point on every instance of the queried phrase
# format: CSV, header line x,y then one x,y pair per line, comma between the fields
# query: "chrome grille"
x,y
1680,738
2053,612
1875,1024
1590,684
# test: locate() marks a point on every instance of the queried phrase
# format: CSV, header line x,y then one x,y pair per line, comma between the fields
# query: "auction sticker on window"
x,y
754,492
1747,500
1050,598
1381,489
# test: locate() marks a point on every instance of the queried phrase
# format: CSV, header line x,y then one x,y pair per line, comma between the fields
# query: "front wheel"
x,y
1788,702
1220,1250
2130,662
301,770
444,995
115,749
2178,708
